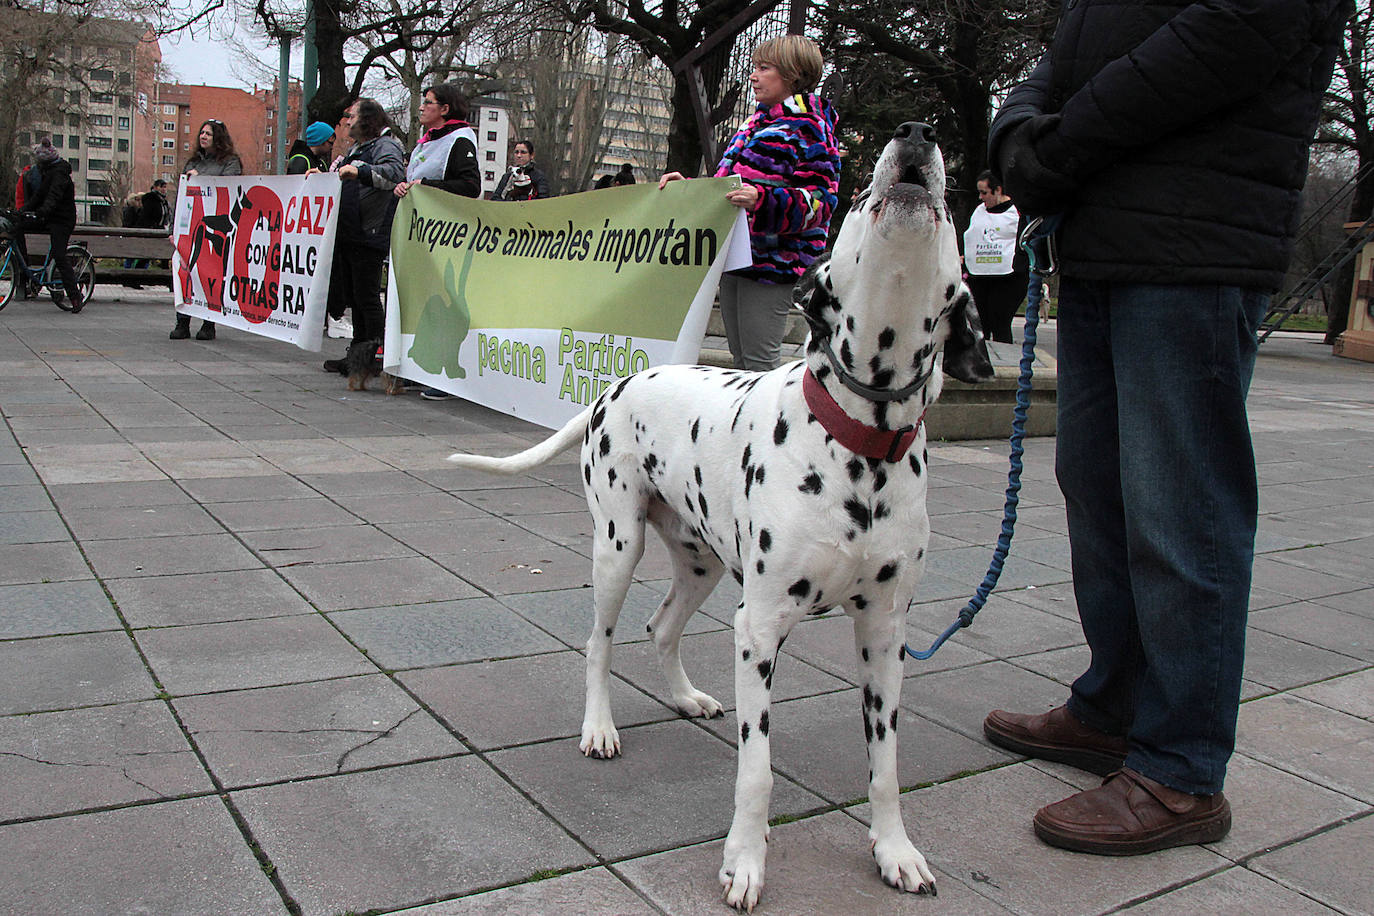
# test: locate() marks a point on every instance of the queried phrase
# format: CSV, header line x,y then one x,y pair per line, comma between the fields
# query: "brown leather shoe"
x,y
1056,735
1129,815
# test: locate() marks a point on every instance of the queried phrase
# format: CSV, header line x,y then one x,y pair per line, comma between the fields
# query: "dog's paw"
x,y
601,742
903,866
742,879
697,704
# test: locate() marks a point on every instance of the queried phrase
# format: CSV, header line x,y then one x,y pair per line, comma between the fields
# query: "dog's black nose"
x,y
915,130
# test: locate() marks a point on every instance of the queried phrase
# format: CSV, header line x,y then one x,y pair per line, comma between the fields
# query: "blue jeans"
x,y
1158,474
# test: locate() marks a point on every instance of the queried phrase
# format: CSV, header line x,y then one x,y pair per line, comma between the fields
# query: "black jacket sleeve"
x,y
461,175
59,187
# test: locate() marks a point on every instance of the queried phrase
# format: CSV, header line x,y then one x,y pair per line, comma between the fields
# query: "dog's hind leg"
x,y
696,570
879,636
616,550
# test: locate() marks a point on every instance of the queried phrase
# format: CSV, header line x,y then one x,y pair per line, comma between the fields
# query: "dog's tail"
x,y
530,458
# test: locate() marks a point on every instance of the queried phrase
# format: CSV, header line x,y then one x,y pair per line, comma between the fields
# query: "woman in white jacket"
x,y
996,267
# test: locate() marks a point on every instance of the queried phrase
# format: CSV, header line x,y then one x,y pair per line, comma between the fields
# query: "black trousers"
x,y
58,238
355,283
997,299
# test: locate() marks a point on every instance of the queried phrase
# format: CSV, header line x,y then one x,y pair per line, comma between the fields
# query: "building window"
x,y
267,148
73,120
123,146
269,130
123,123
100,142
57,141
98,120
491,136
73,96
73,142
491,155
100,73
186,128
489,176
169,109
96,187
101,164
125,101
493,115
169,160
102,98
186,147
125,55
76,164
169,144
169,125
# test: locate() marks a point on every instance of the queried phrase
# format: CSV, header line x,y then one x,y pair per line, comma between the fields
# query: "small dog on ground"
x,y
807,483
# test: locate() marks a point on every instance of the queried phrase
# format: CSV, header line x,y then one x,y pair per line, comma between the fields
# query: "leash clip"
x,y
1041,247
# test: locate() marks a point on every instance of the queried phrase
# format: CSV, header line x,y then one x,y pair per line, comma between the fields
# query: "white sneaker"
x,y
339,329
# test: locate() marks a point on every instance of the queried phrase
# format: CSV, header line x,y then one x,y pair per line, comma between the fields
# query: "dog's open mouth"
x,y
912,174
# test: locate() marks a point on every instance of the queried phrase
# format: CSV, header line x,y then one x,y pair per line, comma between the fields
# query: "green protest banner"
x,y
536,308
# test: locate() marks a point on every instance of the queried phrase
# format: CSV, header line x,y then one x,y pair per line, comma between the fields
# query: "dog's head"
x,y
896,262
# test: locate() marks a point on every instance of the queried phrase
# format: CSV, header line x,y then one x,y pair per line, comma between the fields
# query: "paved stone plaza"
x,y
263,651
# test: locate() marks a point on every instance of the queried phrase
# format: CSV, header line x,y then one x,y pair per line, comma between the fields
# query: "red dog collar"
x,y
869,441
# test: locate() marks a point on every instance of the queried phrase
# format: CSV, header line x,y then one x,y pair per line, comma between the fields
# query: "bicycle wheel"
x,y
83,265
9,274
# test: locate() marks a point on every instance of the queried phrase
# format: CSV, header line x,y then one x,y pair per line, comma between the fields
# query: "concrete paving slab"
x,y
950,824
1360,603
24,498
254,488
818,866
273,514
1007,629
541,567
442,633
273,734
316,545
1235,890
49,609
166,556
515,501
617,807
1331,867
569,614
184,857
1349,634
249,653
375,583
1329,747
61,672
538,698
32,527
1352,694
828,644
425,506
402,836
1278,662
141,522
480,534
75,496
87,758
380,483
709,660
960,698
593,892
162,601
37,563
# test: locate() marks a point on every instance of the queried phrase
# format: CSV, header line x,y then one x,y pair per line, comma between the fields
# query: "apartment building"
x,y
249,116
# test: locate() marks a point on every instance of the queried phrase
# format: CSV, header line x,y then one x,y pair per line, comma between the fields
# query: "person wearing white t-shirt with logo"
x,y
996,268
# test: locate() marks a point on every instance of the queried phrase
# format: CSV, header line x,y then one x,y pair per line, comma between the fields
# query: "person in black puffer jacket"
x,y
53,207
1173,138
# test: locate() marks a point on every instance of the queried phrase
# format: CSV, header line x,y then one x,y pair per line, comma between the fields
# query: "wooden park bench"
x,y
111,246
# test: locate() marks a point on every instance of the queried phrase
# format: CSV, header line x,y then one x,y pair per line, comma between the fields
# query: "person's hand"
x,y
348,172
403,187
671,176
191,173
313,172
746,196
1037,184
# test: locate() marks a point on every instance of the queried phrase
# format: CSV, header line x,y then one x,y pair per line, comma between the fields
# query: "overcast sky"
x,y
213,62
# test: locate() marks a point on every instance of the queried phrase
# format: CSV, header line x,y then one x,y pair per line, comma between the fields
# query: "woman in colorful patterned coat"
x,y
788,159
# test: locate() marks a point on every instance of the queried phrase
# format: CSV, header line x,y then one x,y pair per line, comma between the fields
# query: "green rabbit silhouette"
x,y
444,325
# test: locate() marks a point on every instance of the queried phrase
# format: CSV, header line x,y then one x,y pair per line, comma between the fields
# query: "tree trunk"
x,y
332,91
684,140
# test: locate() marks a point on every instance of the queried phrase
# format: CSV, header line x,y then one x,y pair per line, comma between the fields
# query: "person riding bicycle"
x,y
52,207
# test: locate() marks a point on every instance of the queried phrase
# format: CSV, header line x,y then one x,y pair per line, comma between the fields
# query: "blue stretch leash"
x,y
1038,242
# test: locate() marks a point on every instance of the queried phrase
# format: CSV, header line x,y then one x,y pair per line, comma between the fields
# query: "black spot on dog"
x,y
920,553
846,355
881,510
868,698
758,475
609,631
765,539
587,473
949,292
864,653
610,528
875,363
811,483
868,735
915,464
597,416
881,730
886,338
877,702
892,721
744,459
800,589
879,479
858,512
619,389
748,480
759,567
698,571
822,373
745,655
855,467
739,576
743,732
611,476
859,602
696,427
650,463
849,322
605,445
887,572
619,545
929,324
701,501
766,671
780,431
881,379
763,723
697,473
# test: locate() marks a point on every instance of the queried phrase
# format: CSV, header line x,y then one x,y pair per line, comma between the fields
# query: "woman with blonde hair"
x,y
789,162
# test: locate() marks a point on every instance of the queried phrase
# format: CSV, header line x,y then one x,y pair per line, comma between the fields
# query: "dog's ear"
x,y
966,354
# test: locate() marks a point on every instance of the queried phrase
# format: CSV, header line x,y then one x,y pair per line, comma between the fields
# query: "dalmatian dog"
x,y
807,483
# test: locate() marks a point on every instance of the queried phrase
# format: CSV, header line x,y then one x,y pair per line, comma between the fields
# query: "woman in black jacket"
x,y
215,155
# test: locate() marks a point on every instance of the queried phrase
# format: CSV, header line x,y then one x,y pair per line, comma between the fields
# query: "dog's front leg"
x,y
878,639
746,846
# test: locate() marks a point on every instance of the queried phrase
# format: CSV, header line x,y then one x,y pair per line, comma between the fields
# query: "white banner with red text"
x,y
253,252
